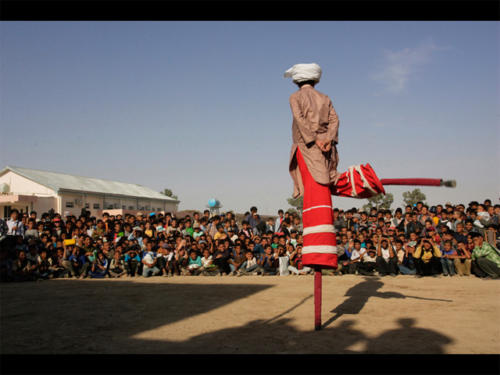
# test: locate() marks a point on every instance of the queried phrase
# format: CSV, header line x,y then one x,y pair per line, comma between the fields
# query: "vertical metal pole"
x,y
317,298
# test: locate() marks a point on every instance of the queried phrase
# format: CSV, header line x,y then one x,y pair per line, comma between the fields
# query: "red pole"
x,y
411,181
418,182
317,298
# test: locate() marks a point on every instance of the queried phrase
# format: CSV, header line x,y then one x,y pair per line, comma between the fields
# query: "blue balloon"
x,y
212,202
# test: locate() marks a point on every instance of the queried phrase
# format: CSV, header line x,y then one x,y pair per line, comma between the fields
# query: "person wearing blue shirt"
x,y
348,252
194,263
136,235
149,259
99,267
78,263
258,249
132,261
269,261
447,262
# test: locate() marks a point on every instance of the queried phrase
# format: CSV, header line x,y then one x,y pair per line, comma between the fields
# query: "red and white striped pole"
x,y
320,243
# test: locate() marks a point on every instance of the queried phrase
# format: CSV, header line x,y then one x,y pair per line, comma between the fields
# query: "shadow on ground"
x,y
61,320
361,292
64,317
281,337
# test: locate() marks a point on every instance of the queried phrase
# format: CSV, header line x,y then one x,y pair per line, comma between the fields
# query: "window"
x,y
69,205
110,206
87,205
96,206
124,207
130,207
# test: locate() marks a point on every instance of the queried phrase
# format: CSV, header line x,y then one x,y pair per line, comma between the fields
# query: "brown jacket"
x,y
314,118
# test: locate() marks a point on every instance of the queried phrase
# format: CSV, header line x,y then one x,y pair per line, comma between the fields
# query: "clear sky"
x,y
202,107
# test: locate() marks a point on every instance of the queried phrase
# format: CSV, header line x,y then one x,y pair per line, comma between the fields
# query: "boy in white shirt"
x,y
356,256
386,262
368,262
249,266
207,265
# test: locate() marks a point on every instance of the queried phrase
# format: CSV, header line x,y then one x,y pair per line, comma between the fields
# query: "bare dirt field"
x,y
252,314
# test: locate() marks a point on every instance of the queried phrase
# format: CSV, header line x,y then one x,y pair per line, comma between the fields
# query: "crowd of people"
x,y
417,240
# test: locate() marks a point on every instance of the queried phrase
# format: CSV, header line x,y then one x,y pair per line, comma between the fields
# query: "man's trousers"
x,y
320,243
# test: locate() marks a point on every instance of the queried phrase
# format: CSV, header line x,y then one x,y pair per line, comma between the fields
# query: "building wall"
x,y
46,197
95,203
171,207
44,204
21,185
72,203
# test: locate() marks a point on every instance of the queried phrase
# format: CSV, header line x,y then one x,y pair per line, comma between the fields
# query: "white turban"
x,y
304,72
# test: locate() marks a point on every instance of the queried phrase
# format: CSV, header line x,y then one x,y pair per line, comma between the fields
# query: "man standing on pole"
x,y
313,167
313,164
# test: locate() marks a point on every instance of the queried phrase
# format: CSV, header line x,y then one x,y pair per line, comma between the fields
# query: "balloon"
x,y
212,202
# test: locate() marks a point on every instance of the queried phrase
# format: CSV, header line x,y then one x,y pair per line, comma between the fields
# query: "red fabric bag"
x,y
360,181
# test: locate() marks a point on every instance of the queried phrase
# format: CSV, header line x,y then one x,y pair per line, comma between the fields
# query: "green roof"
x,y
62,181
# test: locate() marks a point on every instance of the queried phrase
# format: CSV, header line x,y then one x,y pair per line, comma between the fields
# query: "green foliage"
x,y
296,203
380,202
414,196
169,193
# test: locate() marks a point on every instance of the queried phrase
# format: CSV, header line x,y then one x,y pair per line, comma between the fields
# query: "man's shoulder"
x,y
319,93
295,95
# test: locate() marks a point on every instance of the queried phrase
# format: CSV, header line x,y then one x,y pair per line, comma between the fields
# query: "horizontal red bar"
x,y
412,181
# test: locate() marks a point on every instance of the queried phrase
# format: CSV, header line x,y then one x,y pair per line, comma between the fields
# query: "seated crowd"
x,y
441,240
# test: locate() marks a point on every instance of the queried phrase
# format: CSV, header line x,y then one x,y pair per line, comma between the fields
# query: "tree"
x,y
169,193
380,201
296,203
414,196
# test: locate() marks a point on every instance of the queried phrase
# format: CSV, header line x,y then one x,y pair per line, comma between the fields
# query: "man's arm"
x,y
418,251
474,253
307,129
260,261
362,253
392,253
437,251
467,253
355,257
331,135
379,250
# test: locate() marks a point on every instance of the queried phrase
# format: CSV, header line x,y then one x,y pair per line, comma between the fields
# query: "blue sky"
x,y
202,107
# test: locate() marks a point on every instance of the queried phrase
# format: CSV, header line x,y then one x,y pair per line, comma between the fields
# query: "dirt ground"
x,y
252,314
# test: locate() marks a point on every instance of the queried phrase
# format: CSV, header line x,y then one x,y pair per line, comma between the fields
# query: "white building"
x,y
34,190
